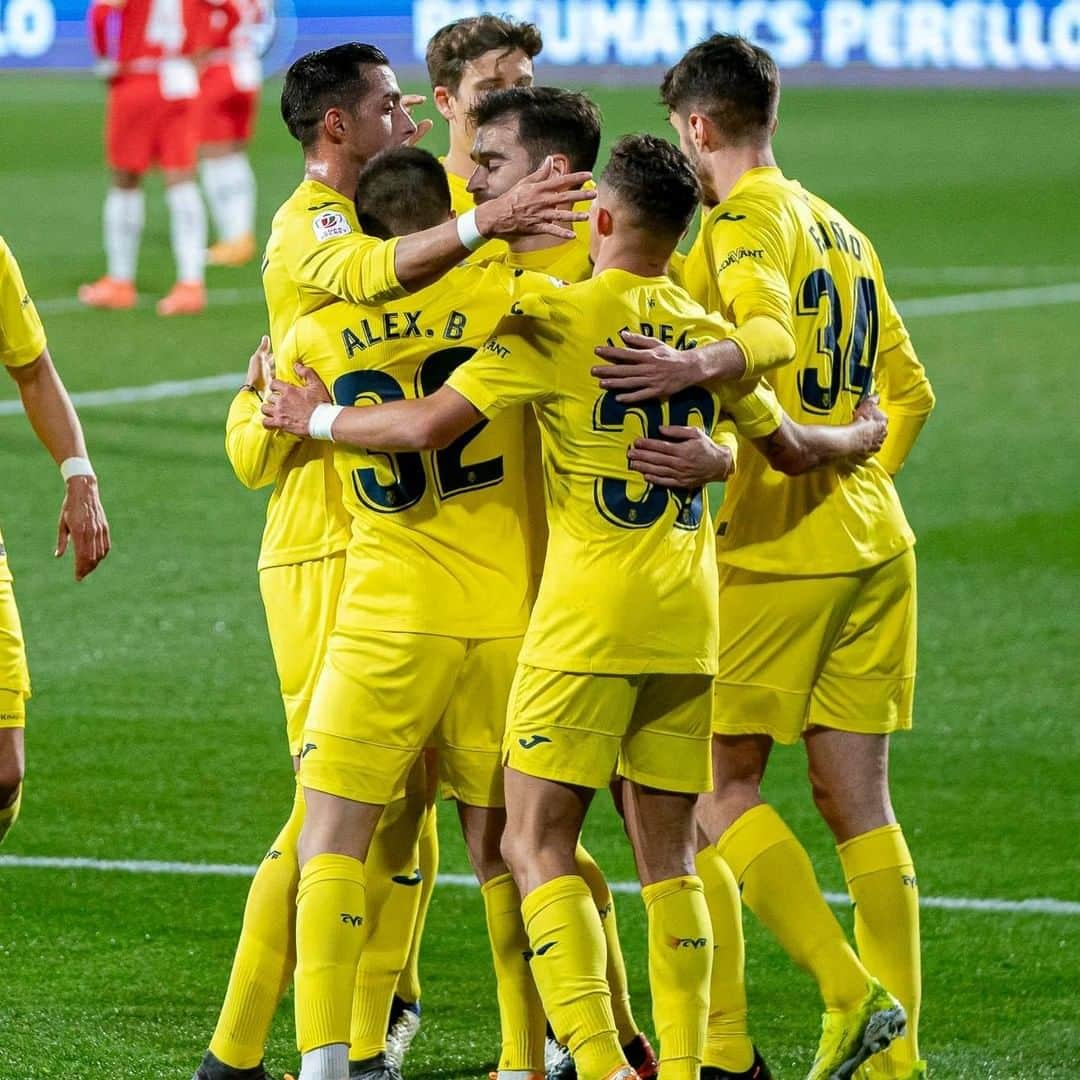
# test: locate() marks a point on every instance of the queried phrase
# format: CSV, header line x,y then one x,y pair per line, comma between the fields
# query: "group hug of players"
x,y
183,88
515,607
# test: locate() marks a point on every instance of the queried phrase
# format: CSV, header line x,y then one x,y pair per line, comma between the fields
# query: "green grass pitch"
x,y
155,731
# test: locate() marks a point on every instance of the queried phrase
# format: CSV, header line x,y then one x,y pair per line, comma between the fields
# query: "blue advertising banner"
x,y
1006,37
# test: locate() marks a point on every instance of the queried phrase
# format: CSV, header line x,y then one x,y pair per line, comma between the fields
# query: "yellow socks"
x,y
9,815
727,1044
625,1023
779,887
521,1013
265,953
330,933
408,988
568,965
393,881
680,964
881,881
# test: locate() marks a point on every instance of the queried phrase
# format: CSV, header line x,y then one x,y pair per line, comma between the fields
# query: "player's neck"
x,y
335,171
520,245
632,255
457,161
727,166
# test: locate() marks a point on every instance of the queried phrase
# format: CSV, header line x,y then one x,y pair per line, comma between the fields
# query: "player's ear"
x,y
699,131
334,123
444,102
605,223
773,125
560,164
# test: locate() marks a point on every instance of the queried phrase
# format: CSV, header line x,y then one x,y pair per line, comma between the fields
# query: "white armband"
x,y
76,466
322,420
470,236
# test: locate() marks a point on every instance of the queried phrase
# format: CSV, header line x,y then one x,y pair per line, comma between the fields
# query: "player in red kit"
x,y
146,48
228,101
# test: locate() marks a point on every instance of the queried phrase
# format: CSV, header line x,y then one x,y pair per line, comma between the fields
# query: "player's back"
x,y
630,579
153,29
438,539
774,248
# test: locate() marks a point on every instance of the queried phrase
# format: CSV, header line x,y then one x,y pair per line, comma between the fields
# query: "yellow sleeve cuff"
x,y
904,429
765,343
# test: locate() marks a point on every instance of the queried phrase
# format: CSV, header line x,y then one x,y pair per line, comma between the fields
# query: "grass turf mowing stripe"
x,y
1035,905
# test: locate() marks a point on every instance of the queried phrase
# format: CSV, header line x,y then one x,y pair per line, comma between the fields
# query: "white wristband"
x,y
470,236
322,420
76,466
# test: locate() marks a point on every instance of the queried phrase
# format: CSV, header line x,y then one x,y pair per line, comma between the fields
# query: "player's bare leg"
x,y
187,232
229,183
739,763
124,215
12,770
849,775
330,927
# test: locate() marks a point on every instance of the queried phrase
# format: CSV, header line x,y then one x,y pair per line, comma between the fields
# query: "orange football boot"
x,y
238,252
108,293
185,298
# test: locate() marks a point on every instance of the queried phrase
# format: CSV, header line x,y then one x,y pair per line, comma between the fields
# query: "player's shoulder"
x,y
316,213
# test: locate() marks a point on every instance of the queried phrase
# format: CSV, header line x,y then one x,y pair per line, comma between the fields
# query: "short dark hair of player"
x,y
455,44
402,190
550,121
655,181
326,79
734,83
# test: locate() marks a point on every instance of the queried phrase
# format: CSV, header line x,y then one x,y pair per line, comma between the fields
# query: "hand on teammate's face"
x,y
82,520
289,407
540,204
646,368
408,103
684,457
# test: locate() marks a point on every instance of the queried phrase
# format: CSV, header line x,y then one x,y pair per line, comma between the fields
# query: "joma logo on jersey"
x,y
689,942
545,948
352,920
532,740
308,747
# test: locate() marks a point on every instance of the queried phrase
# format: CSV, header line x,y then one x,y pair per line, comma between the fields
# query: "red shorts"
x,y
143,130
226,114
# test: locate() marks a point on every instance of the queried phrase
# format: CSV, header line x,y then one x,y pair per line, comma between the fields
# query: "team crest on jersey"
x,y
329,225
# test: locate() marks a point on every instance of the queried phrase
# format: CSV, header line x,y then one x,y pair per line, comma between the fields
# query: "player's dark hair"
x,y
734,83
401,191
326,79
655,181
459,42
550,121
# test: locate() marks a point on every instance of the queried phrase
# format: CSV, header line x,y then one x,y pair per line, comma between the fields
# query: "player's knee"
x,y
850,807
11,778
514,850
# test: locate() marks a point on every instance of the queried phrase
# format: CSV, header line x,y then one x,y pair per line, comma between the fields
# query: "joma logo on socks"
x,y
689,942
352,920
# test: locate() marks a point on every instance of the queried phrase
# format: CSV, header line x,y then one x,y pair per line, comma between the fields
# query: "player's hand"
x,y
408,103
289,407
684,457
82,520
541,203
261,366
871,426
646,368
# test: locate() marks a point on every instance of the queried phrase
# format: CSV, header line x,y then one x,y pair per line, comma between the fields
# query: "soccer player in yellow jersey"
x,y
467,59
23,351
615,673
817,596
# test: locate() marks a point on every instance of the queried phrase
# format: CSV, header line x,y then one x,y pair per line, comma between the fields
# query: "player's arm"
x,y
363,270
256,454
906,394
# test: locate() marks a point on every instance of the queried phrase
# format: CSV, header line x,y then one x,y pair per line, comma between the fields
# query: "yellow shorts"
x,y
800,652
14,674
587,729
383,697
301,607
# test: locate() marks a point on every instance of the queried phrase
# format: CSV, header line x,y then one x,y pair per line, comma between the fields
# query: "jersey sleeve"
x,y
22,337
517,363
324,252
907,397
748,259
753,407
255,454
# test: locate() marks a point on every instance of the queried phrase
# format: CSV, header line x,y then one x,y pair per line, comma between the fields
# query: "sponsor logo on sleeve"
x,y
738,255
331,224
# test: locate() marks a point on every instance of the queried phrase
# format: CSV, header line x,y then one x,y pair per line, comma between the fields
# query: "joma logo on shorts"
x,y
352,920
532,740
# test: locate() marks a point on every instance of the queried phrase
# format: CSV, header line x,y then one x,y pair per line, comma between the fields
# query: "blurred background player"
x,y
465,60
229,82
152,119
24,353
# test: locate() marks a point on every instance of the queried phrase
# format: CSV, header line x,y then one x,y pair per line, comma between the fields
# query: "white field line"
x,y
980,275
925,307
1036,905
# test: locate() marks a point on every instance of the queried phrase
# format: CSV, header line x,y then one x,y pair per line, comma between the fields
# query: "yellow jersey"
x,y
317,254
772,248
439,540
22,337
630,582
